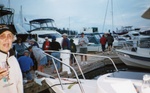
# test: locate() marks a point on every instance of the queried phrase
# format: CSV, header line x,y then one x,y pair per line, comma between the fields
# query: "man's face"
x,y
64,36
6,39
82,35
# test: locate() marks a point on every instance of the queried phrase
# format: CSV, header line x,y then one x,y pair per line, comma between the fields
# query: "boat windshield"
x,y
50,35
42,24
145,43
45,28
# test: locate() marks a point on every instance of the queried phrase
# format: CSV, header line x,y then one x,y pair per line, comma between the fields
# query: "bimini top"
x,y
7,17
146,14
41,21
6,11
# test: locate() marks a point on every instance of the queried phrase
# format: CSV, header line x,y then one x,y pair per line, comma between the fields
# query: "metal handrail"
x,y
74,57
85,55
82,90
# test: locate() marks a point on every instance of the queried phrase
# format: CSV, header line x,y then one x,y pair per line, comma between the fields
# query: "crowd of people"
x,y
33,57
107,39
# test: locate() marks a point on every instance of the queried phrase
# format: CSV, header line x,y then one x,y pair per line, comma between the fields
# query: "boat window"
x,y
50,35
45,28
135,34
92,39
97,37
145,43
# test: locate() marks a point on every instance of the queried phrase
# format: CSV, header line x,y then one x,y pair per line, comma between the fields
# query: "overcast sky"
x,y
76,14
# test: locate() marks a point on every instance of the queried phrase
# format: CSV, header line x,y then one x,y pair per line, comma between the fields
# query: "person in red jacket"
x,y
103,41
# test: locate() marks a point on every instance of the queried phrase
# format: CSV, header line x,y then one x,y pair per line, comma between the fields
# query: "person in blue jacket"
x,y
26,65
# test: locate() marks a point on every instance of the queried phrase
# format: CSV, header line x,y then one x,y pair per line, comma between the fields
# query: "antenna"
x,y
8,3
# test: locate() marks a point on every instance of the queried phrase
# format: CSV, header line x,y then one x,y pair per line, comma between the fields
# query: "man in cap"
x,y
10,73
26,65
65,42
33,43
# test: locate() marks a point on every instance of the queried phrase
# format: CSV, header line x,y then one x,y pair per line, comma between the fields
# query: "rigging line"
x,y
105,16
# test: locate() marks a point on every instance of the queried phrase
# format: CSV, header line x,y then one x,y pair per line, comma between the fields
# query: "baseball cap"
x,y
53,38
4,28
33,40
46,37
26,51
64,34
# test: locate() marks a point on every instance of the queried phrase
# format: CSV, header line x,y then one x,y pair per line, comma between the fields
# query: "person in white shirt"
x,y
83,42
11,80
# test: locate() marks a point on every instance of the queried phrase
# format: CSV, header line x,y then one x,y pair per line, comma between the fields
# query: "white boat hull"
x,y
127,57
135,63
122,82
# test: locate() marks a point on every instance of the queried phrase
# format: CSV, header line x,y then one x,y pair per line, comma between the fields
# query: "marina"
x,y
123,70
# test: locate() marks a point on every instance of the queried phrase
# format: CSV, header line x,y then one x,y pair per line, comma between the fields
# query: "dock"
x,y
92,64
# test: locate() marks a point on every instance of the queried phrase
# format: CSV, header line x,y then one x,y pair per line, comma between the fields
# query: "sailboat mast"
x,y
8,3
112,15
21,16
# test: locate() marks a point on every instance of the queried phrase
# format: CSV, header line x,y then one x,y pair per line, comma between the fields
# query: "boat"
x,y
136,56
7,17
44,27
146,32
120,39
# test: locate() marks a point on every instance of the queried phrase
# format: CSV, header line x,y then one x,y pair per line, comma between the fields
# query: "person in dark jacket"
x,y
65,42
19,47
110,41
32,42
56,47
74,50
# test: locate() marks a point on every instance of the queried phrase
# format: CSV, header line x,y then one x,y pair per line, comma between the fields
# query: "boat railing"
x,y
75,73
127,46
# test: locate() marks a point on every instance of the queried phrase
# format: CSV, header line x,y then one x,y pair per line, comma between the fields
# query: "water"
x,y
109,68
